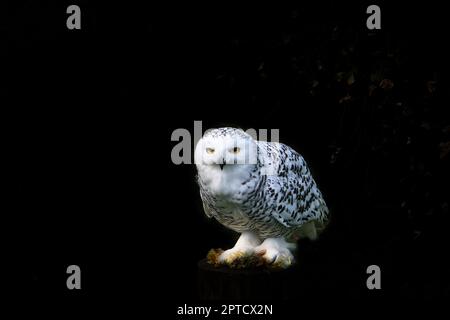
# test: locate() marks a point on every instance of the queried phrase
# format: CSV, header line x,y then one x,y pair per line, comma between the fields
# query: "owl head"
x,y
224,147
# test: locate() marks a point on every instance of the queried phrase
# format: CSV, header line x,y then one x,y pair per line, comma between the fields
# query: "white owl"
x,y
262,190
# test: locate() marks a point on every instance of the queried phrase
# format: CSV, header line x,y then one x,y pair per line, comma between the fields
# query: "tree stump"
x,y
261,283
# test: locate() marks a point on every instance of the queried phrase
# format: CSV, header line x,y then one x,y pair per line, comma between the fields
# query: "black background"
x,y
90,113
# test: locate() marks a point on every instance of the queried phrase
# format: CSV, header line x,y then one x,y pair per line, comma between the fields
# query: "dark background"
x,y
89,114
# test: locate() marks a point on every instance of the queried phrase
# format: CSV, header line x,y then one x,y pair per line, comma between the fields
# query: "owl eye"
x,y
235,150
209,150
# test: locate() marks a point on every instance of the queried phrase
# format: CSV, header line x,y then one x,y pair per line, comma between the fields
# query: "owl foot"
x,y
242,255
238,257
234,258
276,252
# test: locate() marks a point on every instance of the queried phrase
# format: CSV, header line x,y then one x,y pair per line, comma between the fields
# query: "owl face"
x,y
223,148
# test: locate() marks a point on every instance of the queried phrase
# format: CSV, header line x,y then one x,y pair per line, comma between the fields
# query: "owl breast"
x,y
246,211
231,212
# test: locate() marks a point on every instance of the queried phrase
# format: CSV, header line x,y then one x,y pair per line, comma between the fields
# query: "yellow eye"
x,y
209,150
236,150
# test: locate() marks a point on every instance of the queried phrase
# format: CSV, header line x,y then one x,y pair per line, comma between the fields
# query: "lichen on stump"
x,y
245,261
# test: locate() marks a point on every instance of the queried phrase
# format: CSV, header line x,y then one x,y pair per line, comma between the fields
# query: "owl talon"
x,y
276,253
281,260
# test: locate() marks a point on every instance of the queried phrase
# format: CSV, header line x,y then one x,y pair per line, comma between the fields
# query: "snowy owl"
x,y
262,190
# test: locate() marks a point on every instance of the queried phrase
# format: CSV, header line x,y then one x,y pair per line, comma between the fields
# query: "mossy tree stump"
x,y
218,282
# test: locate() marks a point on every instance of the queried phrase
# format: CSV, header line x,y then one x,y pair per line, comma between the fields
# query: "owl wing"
x,y
206,199
291,193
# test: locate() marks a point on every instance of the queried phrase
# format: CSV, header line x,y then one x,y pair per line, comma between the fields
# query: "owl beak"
x,y
221,165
